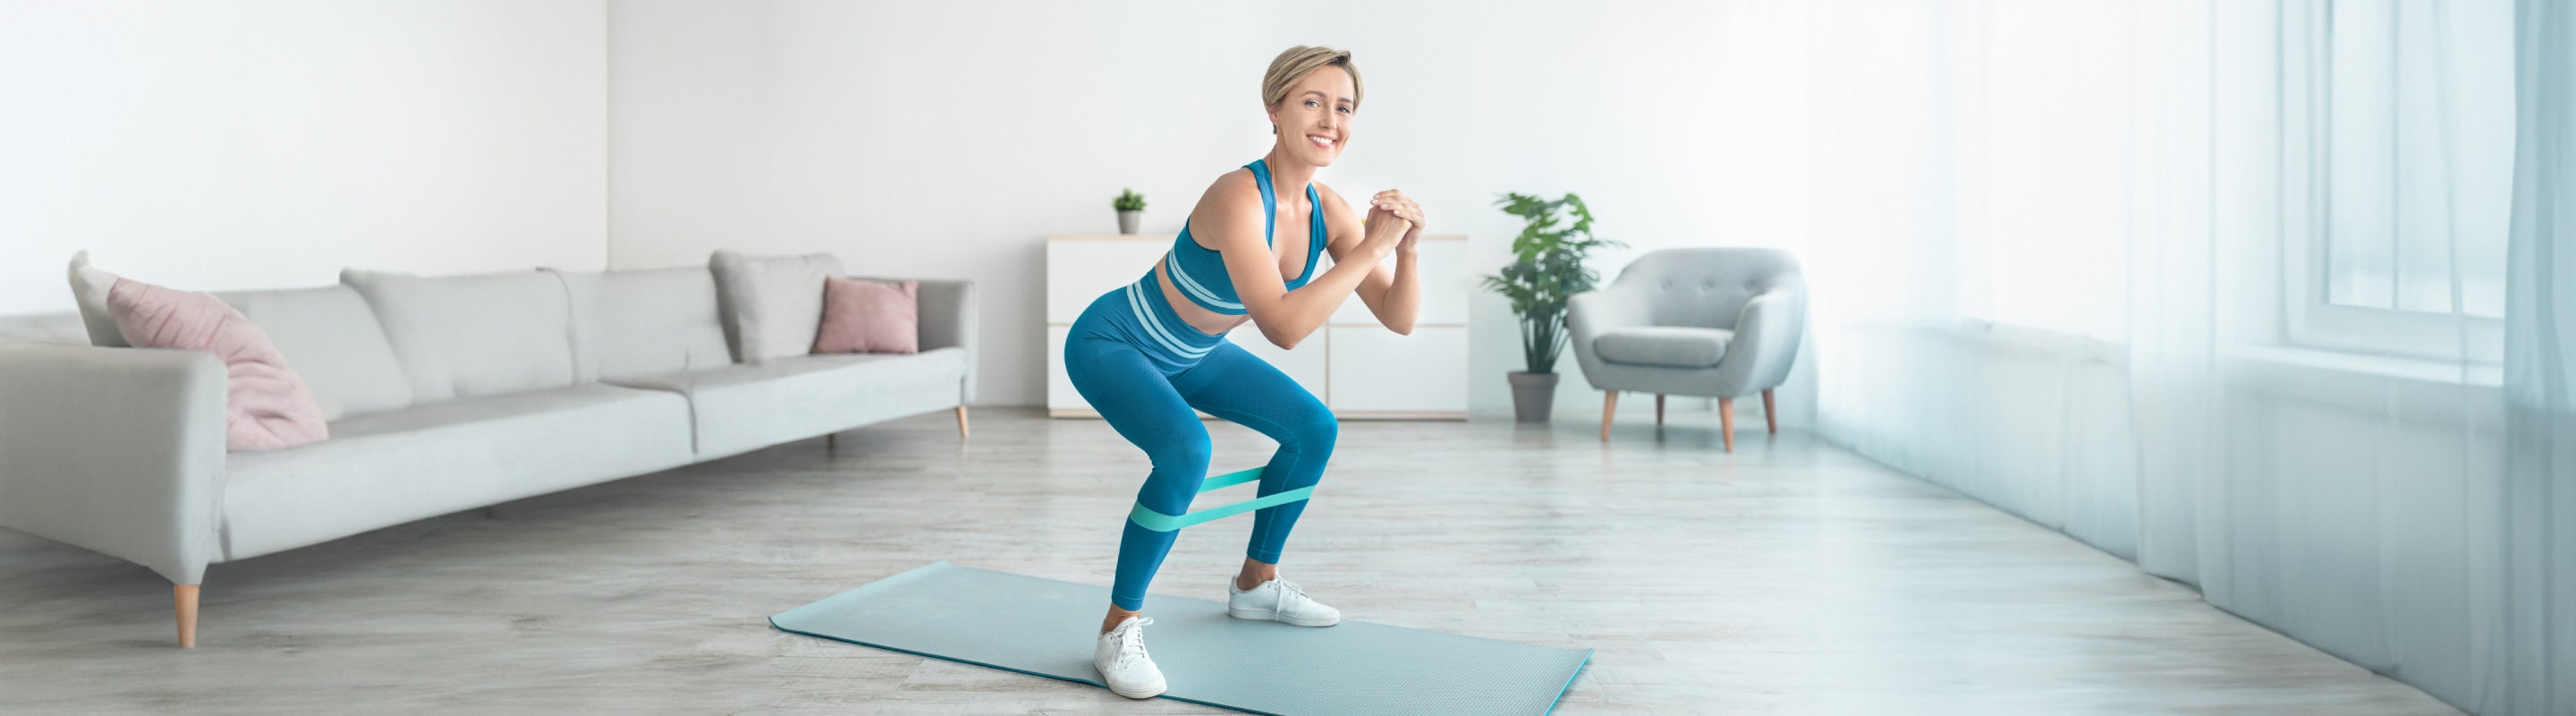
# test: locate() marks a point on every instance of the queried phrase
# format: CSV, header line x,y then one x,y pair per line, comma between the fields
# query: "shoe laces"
x,y
1288,589
1131,645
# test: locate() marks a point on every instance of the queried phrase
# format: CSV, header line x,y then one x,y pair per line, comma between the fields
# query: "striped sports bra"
x,y
1200,271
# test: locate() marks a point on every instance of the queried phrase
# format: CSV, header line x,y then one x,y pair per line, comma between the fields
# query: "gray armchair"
x,y
1705,322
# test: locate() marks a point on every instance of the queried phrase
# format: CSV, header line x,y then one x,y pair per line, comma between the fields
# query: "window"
x,y
2402,139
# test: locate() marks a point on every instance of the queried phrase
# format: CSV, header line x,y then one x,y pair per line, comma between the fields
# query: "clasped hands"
x,y
1393,206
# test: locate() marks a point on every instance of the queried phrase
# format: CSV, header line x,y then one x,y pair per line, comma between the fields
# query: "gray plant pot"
x,y
1127,221
1533,396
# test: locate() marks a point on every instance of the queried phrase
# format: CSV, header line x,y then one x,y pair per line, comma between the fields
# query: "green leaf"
x,y
1546,270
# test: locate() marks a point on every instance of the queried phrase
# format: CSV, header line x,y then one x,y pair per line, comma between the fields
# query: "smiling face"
x,y
1314,120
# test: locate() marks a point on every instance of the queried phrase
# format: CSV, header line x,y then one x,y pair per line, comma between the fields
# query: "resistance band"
x,y
1160,522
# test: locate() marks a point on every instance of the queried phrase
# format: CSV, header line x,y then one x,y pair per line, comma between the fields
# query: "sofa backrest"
x,y
327,333
471,335
645,322
332,340
771,306
62,327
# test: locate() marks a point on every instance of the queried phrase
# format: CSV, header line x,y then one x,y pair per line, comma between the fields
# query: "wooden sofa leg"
x,y
961,422
831,441
1770,414
1726,421
185,596
1659,410
1609,407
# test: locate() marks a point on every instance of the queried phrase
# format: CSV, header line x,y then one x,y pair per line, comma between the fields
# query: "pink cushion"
x,y
870,317
266,406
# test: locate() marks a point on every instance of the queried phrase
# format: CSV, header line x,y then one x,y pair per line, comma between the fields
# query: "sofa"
x,y
441,394
1708,322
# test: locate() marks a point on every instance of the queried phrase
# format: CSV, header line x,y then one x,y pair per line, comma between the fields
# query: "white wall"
x,y
269,144
947,139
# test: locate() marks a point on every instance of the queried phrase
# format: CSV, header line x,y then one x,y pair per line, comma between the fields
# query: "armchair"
x,y
1707,322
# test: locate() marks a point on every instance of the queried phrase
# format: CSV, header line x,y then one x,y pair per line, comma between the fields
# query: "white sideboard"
x,y
1358,367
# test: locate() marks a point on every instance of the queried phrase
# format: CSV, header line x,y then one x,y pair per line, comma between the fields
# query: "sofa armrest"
x,y
116,450
1766,341
1589,314
947,312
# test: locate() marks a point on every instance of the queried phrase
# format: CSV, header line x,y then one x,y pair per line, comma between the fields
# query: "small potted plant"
x,y
1547,268
1130,206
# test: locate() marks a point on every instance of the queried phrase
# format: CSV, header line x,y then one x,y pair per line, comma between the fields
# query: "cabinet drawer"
x,y
1375,370
1447,281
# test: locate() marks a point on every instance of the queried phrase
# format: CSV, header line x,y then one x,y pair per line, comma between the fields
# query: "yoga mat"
x,y
1047,627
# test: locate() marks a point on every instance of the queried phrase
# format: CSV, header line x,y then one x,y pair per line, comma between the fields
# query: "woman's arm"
x,y
1228,218
1396,298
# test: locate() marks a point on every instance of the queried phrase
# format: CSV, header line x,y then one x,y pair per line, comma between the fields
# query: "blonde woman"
x,y
1147,354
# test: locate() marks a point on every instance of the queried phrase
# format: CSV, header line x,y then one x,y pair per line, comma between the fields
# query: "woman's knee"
x,y
1182,454
1315,429
1180,467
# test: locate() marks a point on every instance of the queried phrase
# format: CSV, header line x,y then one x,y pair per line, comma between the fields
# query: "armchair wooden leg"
x,y
1659,410
961,422
831,441
185,595
1770,414
1609,407
1726,421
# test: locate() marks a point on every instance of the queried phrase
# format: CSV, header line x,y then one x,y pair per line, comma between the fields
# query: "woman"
x,y
1147,354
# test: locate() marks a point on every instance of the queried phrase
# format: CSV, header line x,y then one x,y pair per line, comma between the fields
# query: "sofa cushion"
x,y
435,458
1669,346
745,407
331,338
266,405
861,316
483,334
327,333
59,327
633,324
771,306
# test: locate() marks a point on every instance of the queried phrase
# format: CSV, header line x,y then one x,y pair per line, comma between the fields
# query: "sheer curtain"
x,y
1963,252
2527,629
2214,286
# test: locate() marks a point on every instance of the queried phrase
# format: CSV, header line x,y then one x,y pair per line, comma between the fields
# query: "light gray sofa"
x,y
1705,322
442,394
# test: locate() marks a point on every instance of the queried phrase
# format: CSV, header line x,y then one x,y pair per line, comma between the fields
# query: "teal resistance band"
x,y
1160,522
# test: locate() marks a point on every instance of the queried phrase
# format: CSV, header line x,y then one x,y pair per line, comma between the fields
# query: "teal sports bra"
x,y
1200,271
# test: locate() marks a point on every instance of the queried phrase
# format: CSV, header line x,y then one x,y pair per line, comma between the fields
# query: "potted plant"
x,y
1130,206
1547,268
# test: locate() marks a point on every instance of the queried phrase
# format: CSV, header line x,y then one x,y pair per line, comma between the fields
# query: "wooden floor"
x,y
1788,577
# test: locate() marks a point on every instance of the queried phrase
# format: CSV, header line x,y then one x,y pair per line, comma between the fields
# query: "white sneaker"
x,y
1120,657
1278,600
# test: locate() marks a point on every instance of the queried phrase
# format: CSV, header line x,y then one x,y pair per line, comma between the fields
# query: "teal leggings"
x,y
1149,400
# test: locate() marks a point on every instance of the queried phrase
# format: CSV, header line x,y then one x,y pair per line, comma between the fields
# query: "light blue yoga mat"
x,y
1047,627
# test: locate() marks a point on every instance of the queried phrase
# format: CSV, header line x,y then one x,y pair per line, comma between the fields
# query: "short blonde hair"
x,y
1300,61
